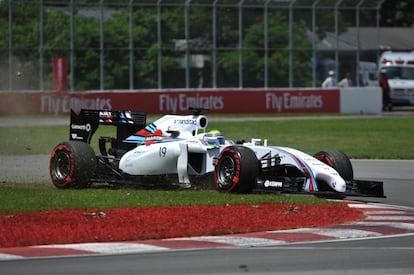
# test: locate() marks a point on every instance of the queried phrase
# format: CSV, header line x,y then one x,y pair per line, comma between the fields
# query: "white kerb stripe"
x,y
357,205
239,241
335,232
402,225
112,248
9,257
389,218
388,212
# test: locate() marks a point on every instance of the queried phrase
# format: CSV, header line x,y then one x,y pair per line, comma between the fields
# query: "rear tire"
x,y
236,170
72,164
339,161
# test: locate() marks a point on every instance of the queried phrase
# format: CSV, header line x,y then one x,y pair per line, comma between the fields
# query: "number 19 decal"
x,y
163,151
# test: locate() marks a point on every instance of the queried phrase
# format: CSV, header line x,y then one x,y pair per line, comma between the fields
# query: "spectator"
x,y
329,81
346,81
383,83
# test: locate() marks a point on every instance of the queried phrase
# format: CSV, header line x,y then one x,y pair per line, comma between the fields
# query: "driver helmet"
x,y
216,135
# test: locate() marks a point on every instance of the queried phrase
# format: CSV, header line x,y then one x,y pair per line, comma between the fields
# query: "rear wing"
x,y
85,124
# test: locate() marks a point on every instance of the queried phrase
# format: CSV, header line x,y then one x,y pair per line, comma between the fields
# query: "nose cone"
x,y
339,185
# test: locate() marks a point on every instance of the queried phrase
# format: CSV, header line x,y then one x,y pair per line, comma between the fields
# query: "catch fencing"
x,y
76,45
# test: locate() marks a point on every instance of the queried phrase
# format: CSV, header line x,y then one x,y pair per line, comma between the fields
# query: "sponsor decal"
x,y
181,102
87,127
186,121
59,105
105,116
271,183
75,136
288,101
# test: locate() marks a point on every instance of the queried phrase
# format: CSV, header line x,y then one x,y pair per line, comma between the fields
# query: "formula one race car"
x,y
179,145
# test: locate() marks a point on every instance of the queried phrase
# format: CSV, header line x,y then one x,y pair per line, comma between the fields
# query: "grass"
x,y
29,197
372,138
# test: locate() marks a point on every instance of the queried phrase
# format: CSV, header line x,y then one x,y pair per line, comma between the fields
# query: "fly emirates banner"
x,y
161,102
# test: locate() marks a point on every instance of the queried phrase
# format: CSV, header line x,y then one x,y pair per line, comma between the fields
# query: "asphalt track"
x,y
388,248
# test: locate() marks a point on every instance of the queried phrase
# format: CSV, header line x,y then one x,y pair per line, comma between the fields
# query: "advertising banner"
x,y
161,102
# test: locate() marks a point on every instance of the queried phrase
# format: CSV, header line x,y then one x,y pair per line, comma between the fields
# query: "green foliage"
x,y
278,54
371,138
397,13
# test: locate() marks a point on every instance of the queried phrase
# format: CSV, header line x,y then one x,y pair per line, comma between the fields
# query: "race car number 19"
x,y
163,151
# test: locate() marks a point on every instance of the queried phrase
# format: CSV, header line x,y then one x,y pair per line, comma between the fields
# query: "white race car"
x,y
180,145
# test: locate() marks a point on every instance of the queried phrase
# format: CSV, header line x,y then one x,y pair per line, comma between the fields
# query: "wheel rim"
x,y
226,172
61,165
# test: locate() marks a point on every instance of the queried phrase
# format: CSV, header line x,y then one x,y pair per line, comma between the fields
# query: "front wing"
x,y
294,185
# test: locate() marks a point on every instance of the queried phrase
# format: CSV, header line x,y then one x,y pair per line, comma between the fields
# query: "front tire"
x,y
72,164
236,170
339,161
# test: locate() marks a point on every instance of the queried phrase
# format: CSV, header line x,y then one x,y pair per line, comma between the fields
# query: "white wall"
x,y
361,100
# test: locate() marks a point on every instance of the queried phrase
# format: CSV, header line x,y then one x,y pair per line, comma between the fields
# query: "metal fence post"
x,y
214,46
291,43
187,44
314,36
358,6
241,43
41,47
159,48
131,45
10,50
266,42
336,11
72,46
101,46
377,24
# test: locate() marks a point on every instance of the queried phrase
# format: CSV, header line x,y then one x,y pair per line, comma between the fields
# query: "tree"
x,y
278,55
397,13
25,38
32,41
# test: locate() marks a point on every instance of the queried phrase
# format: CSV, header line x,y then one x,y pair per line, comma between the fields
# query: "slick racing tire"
x,y
72,164
337,160
236,170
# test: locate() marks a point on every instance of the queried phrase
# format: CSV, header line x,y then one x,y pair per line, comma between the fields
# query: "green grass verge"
x,y
370,138
29,197
381,138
